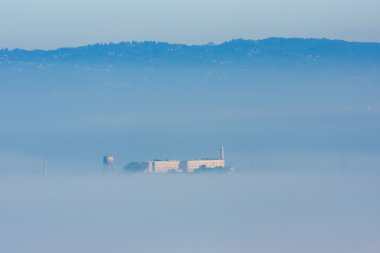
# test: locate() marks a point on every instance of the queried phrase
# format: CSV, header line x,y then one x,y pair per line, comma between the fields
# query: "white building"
x,y
190,166
164,166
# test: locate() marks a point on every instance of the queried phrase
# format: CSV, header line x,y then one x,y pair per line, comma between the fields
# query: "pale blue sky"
x,y
56,23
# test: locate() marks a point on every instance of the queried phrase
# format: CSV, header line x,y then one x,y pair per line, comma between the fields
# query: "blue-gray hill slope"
x,y
232,52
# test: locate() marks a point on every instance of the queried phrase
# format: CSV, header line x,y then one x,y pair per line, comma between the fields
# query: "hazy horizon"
x,y
272,104
189,44
298,118
44,24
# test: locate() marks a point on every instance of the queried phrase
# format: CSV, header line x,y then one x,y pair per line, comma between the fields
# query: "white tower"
x,y
108,163
221,153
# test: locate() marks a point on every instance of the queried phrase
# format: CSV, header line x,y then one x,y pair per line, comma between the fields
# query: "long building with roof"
x,y
189,166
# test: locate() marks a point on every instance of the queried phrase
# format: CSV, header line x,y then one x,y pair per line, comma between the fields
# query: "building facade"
x,y
164,166
189,166
192,165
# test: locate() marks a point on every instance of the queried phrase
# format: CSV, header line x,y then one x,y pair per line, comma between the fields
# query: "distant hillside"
x,y
232,52
275,103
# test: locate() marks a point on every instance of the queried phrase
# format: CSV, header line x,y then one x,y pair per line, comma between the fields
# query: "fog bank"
x,y
243,212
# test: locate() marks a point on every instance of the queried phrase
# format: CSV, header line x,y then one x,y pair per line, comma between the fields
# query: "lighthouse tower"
x,y
221,153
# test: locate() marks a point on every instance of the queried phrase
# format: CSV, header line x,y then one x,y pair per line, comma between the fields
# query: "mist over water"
x,y
299,119
292,211
274,104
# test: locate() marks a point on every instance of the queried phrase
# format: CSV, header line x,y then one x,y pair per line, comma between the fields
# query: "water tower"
x,y
108,162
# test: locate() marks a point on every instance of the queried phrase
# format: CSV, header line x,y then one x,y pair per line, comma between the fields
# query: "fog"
x,y
299,119
282,119
292,211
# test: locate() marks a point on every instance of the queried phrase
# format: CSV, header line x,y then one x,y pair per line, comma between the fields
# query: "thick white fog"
x,y
292,211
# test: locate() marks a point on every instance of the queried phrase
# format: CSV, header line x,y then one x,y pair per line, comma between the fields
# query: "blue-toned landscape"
x,y
274,104
177,126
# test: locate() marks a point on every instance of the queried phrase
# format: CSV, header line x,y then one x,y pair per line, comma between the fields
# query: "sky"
x,y
48,24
